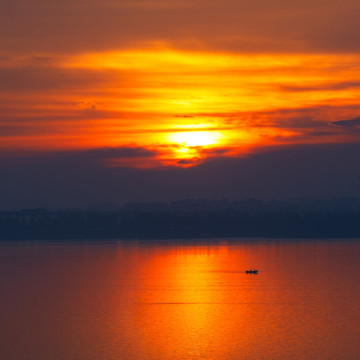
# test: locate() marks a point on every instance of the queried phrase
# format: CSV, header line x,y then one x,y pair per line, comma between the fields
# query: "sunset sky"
x,y
151,88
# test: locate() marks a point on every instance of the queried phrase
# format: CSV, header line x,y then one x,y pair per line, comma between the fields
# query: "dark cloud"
x,y
110,153
188,161
216,152
48,78
352,123
308,122
320,87
81,156
10,130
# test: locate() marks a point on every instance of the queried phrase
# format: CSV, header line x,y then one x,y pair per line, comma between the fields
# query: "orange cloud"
x,y
183,105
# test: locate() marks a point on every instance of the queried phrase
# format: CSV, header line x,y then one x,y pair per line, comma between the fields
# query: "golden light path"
x,y
186,106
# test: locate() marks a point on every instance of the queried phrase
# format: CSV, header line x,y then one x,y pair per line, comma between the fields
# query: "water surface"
x,y
129,300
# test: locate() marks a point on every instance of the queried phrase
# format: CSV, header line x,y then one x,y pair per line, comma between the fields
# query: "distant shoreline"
x,y
90,236
43,225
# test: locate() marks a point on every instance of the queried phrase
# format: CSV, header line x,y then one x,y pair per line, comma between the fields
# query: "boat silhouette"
x,y
252,271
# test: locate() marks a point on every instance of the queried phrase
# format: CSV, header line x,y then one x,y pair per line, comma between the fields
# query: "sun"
x,y
191,145
195,138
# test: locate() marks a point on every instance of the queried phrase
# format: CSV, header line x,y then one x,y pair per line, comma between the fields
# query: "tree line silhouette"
x,y
188,219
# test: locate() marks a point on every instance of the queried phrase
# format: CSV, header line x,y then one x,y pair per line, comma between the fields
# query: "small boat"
x,y
252,271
